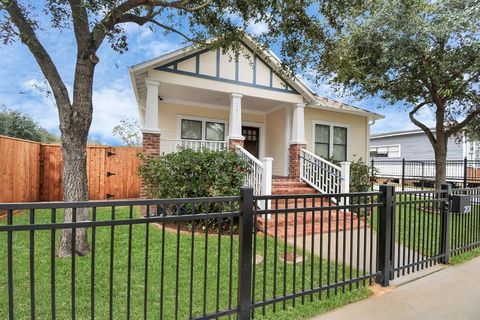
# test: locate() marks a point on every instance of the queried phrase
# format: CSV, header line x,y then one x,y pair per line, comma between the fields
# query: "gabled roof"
x,y
138,74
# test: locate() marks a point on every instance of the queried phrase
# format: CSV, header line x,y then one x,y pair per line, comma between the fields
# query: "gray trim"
x,y
197,73
203,76
197,64
255,69
218,63
236,68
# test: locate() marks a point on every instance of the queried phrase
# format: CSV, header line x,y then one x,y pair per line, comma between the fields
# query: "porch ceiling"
x,y
178,94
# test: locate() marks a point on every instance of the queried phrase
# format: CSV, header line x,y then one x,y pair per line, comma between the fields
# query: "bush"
x,y
188,174
359,176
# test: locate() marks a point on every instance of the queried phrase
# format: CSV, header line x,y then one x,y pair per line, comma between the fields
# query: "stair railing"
x,y
260,175
323,175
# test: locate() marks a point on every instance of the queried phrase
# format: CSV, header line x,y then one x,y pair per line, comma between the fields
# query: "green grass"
x,y
42,247
419,229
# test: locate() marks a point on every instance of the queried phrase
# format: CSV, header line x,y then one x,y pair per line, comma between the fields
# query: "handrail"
x,y
321,168
249,155
331,164
321,174
255,175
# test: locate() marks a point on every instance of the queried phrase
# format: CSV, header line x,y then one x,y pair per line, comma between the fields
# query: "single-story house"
x,y
198,98
414,145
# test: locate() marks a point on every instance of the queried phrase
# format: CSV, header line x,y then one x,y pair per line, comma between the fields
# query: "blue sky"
x,y
21,78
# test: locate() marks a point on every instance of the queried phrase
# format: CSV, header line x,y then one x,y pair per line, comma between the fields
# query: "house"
x,y
414,145
409,155
198,98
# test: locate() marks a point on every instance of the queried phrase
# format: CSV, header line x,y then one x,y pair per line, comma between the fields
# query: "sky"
x,y
22,85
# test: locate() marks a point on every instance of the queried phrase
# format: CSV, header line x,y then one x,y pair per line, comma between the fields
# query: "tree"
x,y
20,125
472,130
424,54
128,130
289,25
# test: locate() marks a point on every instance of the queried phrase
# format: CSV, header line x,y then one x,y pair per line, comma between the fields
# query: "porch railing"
x,y
323,175
172,145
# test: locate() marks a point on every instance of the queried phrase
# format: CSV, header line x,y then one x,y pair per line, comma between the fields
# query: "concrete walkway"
x,y
451,293
360,249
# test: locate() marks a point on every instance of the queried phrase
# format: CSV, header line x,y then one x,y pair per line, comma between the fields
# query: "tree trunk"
x,y
75,123
440,160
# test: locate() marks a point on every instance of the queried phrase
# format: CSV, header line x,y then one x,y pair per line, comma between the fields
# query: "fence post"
x,y
403,174
245,230
445,223
385,233
465,172
345,181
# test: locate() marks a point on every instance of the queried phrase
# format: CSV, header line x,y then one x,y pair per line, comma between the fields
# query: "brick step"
x,y
309,227
291,184
309,218
285,179
303,190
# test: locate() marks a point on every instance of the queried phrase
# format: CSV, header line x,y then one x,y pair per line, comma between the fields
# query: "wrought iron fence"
x,y
208,258
420,174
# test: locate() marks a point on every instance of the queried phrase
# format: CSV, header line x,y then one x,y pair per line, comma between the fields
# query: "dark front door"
x,y
252,140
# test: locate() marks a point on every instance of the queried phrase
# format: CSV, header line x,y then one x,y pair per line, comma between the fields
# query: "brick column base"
x,y
294,163
232,143
151,149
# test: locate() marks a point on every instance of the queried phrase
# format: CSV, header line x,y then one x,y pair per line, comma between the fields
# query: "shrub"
x,y
359,176
188,173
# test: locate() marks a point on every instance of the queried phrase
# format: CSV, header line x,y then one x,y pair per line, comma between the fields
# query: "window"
x,y
202,130
388,151
215,131
191,129
331,142
322,140
340,143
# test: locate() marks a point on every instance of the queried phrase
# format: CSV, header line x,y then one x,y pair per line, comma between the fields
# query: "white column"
x,y
150,124
345,182
267,181
298,124
235,124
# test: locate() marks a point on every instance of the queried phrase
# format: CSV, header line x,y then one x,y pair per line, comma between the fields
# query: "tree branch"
x,y
425,129
80,25
29,38
459,126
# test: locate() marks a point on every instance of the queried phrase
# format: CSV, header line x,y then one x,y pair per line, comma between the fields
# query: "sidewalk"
x,y
451,293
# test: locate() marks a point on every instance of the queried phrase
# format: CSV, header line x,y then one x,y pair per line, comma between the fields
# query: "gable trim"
x,y
172,67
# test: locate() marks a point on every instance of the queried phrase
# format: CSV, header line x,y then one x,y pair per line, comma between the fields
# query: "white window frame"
x,y
387,146
204,126
330,143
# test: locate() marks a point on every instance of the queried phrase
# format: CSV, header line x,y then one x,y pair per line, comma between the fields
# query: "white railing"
x,y
255,177
173,145
323,175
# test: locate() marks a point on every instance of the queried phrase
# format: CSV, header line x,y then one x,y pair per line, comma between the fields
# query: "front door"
x,y
252,140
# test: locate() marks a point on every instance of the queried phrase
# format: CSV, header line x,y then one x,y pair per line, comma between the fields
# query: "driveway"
x,y
451,293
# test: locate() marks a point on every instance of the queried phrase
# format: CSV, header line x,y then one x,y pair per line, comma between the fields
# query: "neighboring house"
x,y
197,98
414,145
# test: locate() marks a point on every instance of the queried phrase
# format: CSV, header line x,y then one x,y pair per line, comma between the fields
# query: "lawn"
x,y
418,227
175,289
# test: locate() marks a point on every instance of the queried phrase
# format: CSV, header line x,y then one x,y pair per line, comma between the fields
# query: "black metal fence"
x,y
223,257
420,174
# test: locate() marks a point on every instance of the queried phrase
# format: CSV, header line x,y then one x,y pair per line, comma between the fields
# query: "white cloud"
x,y
155,48
257,28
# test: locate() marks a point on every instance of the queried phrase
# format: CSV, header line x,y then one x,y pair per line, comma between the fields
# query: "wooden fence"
x,y
32,171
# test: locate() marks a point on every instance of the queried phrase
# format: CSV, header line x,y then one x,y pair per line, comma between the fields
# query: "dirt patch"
x,y
378,290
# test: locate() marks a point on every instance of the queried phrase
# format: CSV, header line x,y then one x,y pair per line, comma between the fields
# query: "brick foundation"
x,y
232,143
151,149
294,163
